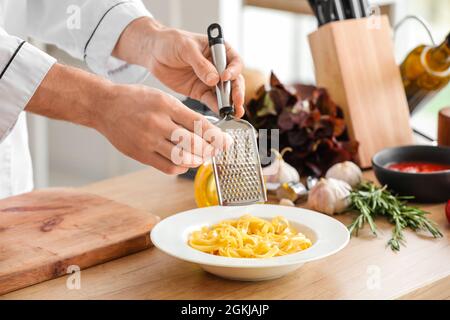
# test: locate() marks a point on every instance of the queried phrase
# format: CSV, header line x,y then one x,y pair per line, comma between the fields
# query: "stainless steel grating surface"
x,y
238,170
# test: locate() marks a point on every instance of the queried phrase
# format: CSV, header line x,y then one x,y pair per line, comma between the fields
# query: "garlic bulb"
x,y
329,196
279,171
346,171
286,202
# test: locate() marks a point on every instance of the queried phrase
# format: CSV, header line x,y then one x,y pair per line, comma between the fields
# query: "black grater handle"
x,y
219,57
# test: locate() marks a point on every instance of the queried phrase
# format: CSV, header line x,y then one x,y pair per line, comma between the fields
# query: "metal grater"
x,y
237,172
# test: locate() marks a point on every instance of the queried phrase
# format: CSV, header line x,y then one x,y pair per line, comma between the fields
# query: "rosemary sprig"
x,y
370,201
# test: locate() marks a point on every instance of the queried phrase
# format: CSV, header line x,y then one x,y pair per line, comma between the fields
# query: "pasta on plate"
x,y
249,237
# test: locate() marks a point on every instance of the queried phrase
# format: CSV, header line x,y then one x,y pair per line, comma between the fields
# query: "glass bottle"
x,y
425,71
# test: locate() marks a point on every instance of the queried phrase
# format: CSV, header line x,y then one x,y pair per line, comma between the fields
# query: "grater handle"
x,y
219,57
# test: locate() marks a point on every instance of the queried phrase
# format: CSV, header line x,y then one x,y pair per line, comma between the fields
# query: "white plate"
x,y
327,235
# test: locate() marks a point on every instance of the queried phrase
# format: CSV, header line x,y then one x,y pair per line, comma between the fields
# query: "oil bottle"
x,y
425,71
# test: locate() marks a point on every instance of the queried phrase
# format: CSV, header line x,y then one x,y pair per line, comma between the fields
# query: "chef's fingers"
x,y
199,125
210,99
238,92
234,66
162,164
205,94
192,143
203,68
178,155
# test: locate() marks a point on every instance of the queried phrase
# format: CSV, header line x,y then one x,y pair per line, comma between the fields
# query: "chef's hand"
x,y
181,60
146,124
159,130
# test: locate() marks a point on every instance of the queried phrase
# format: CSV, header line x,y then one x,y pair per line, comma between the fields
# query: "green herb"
x,y
369,201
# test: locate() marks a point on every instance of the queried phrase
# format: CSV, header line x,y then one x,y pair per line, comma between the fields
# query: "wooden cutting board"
x,y
44,232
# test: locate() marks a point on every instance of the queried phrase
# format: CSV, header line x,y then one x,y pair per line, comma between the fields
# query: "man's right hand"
x,y
145,124
156,129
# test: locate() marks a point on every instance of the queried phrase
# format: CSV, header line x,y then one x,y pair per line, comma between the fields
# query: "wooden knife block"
x,y
355,62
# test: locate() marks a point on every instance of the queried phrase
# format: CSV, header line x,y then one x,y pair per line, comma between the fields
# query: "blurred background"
x,y
269,35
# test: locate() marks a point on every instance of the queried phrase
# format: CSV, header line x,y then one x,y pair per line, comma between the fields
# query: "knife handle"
x,y
219,57
313,5
356,8
339,10
364,7
346,6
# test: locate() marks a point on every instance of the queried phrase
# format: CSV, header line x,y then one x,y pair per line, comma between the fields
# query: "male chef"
x,y
121,43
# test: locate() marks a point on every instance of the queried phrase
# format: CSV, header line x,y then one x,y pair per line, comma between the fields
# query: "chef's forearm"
x,y
71,94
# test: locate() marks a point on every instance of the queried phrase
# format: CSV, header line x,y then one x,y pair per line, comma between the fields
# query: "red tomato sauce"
x,y
418,167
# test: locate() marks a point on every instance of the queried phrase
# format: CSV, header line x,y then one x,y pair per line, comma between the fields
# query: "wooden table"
x,y
365,269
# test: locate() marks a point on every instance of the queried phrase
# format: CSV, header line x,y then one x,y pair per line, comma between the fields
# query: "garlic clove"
x,y
346,171
329,196
271,172
280,171
288,173
321,198
286,202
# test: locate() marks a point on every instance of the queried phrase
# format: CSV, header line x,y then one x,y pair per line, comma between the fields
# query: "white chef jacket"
x,y
86,29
